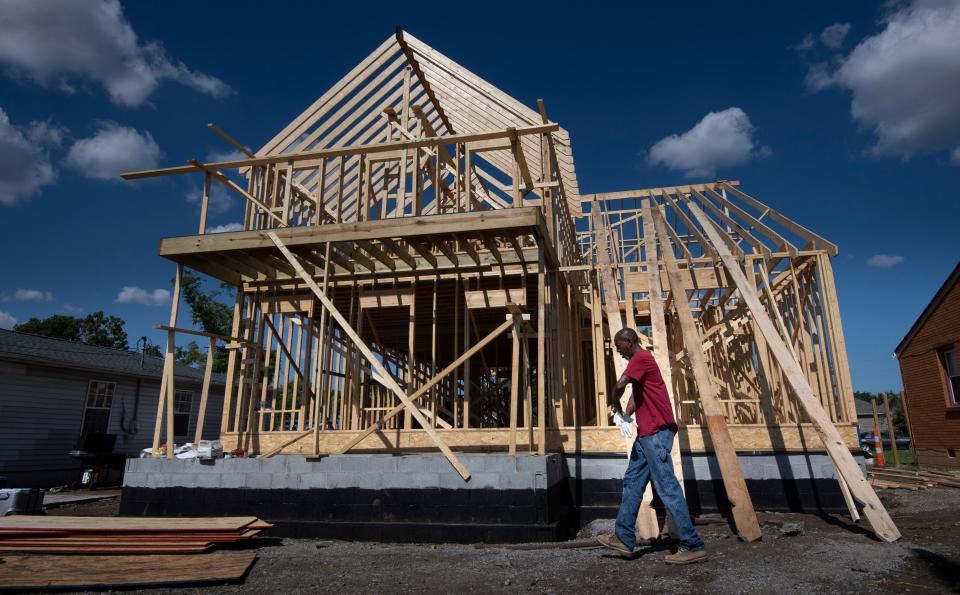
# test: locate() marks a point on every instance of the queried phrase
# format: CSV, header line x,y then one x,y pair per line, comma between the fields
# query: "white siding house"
x,y
53,392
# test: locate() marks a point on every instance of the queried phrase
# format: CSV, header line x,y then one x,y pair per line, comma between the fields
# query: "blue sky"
x,y
846,120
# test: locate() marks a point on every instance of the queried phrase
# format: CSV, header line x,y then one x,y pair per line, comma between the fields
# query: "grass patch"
x,y
907,460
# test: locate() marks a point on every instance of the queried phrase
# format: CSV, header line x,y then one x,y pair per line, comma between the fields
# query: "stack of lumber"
x,y
38,573
892,477
112,535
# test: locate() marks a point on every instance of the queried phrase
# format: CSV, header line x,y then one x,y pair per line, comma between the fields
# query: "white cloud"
x,y
833,36
225,228
905,80
24,161
884,261
111,150
807,43
32,295
720,139
58,42
7,321
136,295
220,199
73,309
819,77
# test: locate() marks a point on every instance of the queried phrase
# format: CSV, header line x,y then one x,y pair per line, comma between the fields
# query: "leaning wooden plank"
x,y
647,525
873,509
745,517
383,376
107,572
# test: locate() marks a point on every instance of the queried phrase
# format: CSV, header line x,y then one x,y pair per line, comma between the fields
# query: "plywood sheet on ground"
x,y
105,572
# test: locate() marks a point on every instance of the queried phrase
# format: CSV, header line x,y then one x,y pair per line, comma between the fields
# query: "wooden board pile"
x,y
113,535
37,573
892,477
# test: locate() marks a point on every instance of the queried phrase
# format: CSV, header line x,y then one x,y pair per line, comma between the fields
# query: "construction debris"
x,y
894,478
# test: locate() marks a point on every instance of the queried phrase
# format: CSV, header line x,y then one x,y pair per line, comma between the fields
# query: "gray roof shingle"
x,y
58,352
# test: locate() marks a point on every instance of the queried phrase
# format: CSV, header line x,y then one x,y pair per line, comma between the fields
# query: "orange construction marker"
x,y
878,448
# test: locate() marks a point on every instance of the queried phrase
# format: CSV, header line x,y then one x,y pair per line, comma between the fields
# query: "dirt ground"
x,y
831,556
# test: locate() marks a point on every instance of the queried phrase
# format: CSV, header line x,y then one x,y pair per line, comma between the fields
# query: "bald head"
x,y
626,342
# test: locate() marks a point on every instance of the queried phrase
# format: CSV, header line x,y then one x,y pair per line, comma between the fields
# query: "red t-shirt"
x,y
650,394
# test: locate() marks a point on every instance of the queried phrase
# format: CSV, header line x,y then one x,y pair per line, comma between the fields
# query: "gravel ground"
x,y
831,556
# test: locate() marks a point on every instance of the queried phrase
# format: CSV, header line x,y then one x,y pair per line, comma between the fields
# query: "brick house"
x,y
929,358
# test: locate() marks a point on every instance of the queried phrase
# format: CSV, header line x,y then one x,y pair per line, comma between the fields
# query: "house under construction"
x,y
419,270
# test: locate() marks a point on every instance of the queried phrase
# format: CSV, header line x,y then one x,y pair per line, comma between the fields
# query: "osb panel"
x,y
587,440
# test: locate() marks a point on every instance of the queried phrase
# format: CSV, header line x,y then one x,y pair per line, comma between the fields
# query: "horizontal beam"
x,y
651,192
187,331
369,149
520,220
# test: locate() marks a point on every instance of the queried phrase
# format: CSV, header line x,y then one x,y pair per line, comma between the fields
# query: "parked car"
x,y
867,443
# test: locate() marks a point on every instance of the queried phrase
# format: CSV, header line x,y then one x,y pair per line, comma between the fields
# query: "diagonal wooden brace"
x,y
426,387
383,376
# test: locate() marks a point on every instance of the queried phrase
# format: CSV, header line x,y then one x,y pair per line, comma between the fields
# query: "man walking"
x,y
650,456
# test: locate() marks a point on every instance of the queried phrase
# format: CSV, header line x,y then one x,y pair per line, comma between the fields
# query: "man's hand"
x,y
624,424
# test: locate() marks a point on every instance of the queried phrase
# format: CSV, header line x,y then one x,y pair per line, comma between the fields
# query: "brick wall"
x,y
935,426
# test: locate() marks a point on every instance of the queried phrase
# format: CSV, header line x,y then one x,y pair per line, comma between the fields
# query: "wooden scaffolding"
x,y
418,269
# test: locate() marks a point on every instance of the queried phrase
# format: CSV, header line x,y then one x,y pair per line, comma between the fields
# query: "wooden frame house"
x,y
418,269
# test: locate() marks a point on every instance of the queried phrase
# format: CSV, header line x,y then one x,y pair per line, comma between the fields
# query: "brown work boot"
x,y
685,556
611,541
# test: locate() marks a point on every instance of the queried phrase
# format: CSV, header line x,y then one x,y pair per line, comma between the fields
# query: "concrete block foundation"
x,y
421,498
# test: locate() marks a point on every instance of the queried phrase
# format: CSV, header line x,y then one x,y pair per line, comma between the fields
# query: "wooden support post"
x,y
232,356
167,383
891,430
873,509
466,364
383,376
541,354
514,384
205,391
906,413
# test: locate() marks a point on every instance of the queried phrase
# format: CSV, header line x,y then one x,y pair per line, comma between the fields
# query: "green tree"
x,y
56,327
206,311
103,331
210,314
96,329
192,356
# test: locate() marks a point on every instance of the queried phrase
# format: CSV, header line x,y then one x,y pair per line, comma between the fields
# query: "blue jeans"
x,y
650,461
